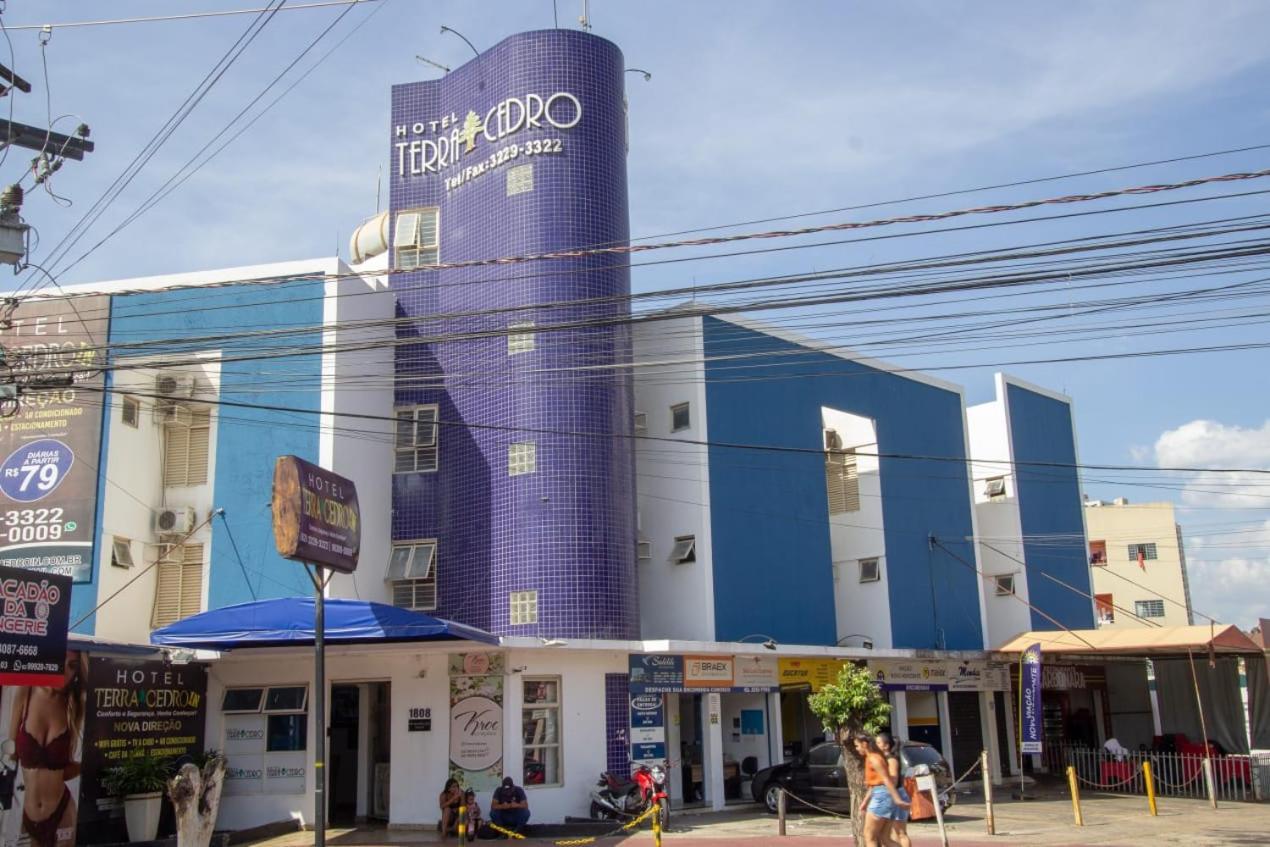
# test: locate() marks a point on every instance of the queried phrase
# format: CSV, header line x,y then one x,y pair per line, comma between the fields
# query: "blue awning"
x,y
288,621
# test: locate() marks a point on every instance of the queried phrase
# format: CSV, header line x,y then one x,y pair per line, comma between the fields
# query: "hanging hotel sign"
x,y
49,447
316,519
447,144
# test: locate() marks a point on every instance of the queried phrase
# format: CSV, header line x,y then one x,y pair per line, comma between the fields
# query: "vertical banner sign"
x,y
476,720
41,735
1030,700
35,610
138,709
49,448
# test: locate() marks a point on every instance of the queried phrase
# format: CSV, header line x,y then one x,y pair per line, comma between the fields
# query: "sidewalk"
x,y
1109,820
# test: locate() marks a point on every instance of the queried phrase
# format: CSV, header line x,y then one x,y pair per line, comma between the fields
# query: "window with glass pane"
x,y
540,731
286,699
415,238
286,733
412,572
416,439
242,700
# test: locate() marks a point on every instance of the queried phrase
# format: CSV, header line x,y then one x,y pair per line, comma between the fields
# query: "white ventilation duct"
x,y
369,239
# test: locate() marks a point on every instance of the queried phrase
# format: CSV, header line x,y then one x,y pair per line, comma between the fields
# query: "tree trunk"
x,y
855,784
196,798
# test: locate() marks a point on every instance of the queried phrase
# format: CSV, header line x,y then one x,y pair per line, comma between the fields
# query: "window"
x,y
1005,585
131,411
416,439
185,447
1148,608
1142,551
870,570
842,481
994,488
415,238
524,607
540,730
285,708
1098,553
520,179
520,342
522,458
643,549
825,756
680,417
121,553
242,700
179,592
641,423
413,574
685,549
1105,607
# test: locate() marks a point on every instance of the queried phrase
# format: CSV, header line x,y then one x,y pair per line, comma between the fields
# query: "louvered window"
x,y
185,448
842,481
416,440
179,592
521,341
415,238
412,573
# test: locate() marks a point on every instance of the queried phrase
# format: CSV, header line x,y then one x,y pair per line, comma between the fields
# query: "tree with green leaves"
x,y
854,703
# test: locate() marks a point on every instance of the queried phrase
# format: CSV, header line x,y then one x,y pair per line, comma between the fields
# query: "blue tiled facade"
x,y
1044,447
250,440
566,530
770,525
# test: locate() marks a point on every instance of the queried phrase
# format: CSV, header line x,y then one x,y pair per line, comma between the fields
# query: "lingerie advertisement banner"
x,y
41,748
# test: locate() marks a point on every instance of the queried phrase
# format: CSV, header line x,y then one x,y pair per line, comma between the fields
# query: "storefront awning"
x,y
1144,641
288,621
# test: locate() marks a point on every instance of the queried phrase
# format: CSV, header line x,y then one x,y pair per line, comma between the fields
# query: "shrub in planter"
x,y
140,782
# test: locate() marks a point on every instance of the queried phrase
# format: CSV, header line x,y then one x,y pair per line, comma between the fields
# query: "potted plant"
x,y
140,782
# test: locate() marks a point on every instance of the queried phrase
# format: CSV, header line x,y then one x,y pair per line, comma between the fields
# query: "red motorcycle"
x,y
618,798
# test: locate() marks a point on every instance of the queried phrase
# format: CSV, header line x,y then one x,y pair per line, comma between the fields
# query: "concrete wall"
x,y
673,483
1164,578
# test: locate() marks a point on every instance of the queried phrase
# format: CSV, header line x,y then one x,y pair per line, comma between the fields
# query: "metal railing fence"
x,y
1235,778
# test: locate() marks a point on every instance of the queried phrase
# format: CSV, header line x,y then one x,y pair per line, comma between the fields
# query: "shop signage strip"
x,y
666,673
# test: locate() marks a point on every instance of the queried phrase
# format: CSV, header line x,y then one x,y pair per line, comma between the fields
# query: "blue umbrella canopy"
x,y
288,621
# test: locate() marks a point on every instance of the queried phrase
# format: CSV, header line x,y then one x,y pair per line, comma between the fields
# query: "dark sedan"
x,y
819,778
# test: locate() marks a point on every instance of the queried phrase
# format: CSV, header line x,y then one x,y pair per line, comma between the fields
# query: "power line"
x,y
193,16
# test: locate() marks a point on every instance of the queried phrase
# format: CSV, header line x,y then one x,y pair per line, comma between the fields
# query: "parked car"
x,y
819,778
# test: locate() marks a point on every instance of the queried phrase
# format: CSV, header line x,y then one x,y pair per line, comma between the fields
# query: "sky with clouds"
x,y
754,109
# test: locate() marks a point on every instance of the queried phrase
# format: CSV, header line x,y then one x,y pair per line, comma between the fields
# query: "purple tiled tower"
x,y
521,151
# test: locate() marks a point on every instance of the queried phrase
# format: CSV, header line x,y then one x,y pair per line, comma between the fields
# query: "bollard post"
x,y
1210,782
1150,783
1075,789
462,824
987,793
657,823
780,811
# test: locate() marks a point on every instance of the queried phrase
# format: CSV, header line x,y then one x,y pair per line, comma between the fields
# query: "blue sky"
x,y
754,110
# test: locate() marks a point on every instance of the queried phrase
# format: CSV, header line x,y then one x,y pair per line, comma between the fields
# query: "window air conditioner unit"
x,y
833,441
174,386
175,520
172,414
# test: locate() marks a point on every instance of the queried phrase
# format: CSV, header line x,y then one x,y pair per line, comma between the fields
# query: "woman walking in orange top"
x,y
881,801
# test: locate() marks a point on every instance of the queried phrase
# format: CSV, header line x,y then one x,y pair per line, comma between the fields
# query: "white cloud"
x,y
1228,570
1210,444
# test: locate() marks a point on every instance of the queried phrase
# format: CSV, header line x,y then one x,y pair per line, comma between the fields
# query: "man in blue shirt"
x,y
510,806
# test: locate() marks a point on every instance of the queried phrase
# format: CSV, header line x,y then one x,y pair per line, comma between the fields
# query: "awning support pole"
x,y
1203,728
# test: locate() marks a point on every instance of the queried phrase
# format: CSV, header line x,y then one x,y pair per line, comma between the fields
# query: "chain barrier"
x,y
978,764
1108,785
943,793
1177,786
589,839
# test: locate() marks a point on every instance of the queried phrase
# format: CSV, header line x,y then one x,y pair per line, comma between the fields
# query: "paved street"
x,y
1047,821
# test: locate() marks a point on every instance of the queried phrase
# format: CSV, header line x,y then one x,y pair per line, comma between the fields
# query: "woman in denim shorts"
x,y
899,815
882,800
